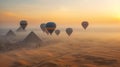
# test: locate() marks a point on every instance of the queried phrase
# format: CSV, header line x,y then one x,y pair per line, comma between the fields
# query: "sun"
x,y
117,14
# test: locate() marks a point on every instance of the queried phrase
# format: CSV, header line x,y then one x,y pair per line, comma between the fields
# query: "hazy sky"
x,y
60,11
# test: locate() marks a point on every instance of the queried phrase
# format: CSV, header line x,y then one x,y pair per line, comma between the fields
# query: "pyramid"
x,y
10,33
19,29
32,38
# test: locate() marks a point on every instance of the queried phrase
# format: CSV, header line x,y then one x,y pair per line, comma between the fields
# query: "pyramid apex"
x,y
32,37
10,33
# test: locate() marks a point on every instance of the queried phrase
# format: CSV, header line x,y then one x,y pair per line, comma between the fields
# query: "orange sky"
x,y
60,11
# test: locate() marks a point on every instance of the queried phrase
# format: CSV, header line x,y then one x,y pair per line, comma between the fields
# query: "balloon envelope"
x,y
57,32
43,27
23,24
69,31
50,26
85,24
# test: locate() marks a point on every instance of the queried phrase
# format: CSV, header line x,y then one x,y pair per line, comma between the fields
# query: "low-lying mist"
x,y
81,49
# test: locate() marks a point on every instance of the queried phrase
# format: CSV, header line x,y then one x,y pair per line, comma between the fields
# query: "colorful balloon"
x,y
69,31
43,27
85,24
23,24
57,32
50,26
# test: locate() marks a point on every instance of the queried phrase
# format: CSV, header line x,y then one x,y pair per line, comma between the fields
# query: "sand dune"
x,y
64,51
71,55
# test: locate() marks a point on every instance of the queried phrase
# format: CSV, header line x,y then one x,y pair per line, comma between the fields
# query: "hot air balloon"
x,y
85,24
69,31
23,24
50,26
43,27
57,32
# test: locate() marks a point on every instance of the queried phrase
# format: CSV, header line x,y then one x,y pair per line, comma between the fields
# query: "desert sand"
x,y
78,50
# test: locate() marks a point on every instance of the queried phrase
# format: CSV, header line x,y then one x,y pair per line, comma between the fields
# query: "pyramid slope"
x,y
32,38
19,29
10,33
